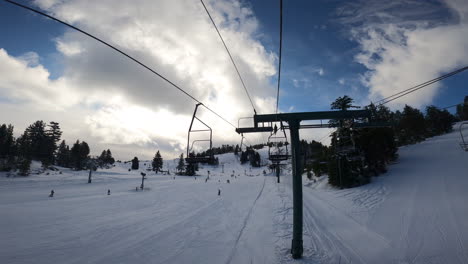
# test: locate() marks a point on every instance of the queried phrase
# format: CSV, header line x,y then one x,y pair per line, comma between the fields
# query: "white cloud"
x,y
320,71
23,79
125,104
404,43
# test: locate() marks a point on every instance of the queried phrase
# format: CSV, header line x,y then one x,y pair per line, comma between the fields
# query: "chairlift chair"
x,y
278,146
209,157
255,129
463,143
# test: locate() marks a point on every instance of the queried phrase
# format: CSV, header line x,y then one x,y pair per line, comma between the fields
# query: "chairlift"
x,y
254,129
241,130
209,157
278,146
463,143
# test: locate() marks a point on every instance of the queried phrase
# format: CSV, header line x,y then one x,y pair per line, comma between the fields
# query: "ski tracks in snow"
x,y
246,220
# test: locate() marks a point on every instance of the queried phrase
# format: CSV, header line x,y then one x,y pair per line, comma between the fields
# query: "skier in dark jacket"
x,y
51,193
108,192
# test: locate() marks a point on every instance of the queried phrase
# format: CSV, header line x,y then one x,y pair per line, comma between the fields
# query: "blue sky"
x,y
315,39
365,49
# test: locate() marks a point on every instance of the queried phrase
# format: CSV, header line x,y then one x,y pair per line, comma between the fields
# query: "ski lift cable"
x,y
122,53
447,107
419,86
230,56
280,51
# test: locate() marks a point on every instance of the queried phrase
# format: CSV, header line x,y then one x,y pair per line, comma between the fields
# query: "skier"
x,y
51,193
108,191
219,192
228,181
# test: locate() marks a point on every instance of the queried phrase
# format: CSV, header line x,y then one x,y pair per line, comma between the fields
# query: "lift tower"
x,y
263,123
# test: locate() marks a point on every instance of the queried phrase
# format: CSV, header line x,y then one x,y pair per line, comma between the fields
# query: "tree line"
x,y
39,142
357,154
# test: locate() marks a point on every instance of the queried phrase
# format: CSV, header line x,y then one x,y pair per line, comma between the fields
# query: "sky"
x,y
364,49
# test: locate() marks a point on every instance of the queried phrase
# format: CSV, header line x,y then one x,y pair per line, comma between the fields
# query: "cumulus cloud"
x,y
127,105
173,37
404,43
24,80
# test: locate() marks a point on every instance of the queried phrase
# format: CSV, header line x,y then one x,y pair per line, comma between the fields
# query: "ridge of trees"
x,y
357,154
40,142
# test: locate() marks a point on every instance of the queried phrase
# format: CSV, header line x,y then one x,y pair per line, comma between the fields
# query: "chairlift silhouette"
x,y
208,157
463,143
278,145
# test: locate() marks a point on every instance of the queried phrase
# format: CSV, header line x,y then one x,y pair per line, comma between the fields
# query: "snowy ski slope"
x,y
416,213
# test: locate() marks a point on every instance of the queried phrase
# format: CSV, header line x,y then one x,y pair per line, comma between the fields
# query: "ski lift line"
x,y
328,134
230,56
121,52
280,51
419,86
447,107
430,81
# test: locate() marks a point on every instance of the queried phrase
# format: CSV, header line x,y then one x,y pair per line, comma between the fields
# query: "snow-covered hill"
x,y
416,213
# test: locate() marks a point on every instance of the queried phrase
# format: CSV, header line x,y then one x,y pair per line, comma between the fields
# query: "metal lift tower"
x,y
263,123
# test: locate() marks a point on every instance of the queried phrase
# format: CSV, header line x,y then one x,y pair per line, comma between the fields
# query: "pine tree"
x,y
7,147
24,153
343,103
24,165
75,155
53,134
109,158
63,155
181,165
38,138
157,162
7,141
84,152
79,155
412,126
438,121
103,158
135,163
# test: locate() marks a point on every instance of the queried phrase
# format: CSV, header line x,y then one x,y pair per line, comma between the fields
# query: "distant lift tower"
x,y
263,123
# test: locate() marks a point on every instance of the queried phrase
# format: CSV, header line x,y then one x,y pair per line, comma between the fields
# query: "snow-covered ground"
x,y
416,213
